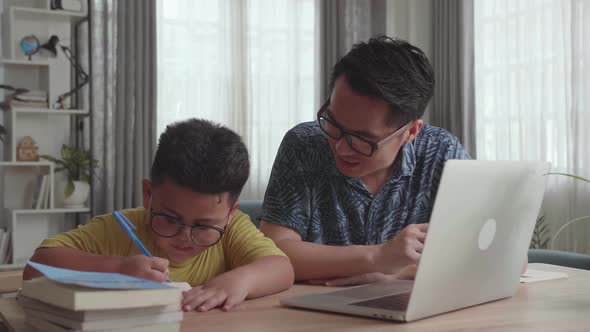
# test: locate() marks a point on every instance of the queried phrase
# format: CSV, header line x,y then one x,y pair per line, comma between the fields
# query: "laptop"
x,y
480,229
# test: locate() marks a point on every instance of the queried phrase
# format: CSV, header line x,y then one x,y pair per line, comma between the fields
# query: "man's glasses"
x,y
333,130
201,235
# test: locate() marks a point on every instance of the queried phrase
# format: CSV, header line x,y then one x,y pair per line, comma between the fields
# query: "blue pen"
x,y
129,227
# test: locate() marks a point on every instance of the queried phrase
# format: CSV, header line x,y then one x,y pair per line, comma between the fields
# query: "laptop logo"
x,y
487,234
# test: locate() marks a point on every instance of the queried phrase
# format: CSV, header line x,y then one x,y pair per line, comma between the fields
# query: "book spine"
x,y
4,241
41,198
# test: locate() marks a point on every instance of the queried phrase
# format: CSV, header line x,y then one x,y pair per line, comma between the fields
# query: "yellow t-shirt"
x,y
241,244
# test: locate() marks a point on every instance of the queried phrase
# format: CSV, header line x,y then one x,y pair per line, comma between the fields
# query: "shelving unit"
x,y
49,111
43,11
49,127
24,62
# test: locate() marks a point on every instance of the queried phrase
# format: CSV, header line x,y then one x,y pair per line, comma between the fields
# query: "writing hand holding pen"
x,y
146,267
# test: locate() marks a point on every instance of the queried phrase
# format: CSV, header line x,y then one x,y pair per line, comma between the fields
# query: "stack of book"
x,y
55,306
31,99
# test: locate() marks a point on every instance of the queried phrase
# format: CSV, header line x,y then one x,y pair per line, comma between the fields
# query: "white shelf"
x,y
49,211
46,12
49,111
32,63
10,267
26,163
49,127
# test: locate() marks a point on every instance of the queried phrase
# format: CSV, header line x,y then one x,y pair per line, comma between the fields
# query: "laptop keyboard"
x,y
398,302
376,290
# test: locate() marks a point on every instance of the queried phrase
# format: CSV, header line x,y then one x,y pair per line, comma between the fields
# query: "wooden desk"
x,y
556,305
10,281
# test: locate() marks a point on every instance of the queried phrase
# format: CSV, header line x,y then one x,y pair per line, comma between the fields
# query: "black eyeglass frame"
x,y
347,135
180,226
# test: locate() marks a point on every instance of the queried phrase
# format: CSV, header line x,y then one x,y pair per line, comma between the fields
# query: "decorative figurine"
x,y
27,150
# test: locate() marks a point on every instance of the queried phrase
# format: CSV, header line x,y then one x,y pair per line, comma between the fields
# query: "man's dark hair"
x,y
392,70
203,156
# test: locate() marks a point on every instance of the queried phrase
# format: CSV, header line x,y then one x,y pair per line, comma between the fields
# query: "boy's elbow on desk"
x,y
286,274
271,274
29,272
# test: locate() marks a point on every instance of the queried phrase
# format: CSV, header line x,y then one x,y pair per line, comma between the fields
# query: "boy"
x,y
190,223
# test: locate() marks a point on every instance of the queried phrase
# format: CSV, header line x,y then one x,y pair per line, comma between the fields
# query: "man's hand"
x,y
226,290
409,272
141,266
402,250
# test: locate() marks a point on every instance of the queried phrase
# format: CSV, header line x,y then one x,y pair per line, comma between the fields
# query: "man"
x,y
350,195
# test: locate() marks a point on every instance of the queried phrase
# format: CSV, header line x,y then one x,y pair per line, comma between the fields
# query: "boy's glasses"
x,y
201,235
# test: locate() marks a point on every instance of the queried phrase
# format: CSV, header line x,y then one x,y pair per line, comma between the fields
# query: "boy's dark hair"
x,y
392,70
203,156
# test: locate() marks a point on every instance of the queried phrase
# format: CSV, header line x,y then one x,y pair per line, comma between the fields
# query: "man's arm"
x,y
264,276
151,268
316,261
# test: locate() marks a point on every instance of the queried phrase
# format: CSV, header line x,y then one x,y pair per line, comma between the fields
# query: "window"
x,y
249,65
533,96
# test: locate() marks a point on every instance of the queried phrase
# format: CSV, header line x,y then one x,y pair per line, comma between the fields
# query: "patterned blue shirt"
x,y
307,193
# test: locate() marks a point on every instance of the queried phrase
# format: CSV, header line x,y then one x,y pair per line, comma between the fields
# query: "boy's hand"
x,y
225,290
141,266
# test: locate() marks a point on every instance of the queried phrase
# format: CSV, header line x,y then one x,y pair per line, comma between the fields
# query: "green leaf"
x,y
540,236
69,188
77,163
542,229
66,152
571,176
50,158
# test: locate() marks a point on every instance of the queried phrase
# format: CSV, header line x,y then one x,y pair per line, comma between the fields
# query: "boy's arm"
x,y
256,268
316,261
140,266
264,276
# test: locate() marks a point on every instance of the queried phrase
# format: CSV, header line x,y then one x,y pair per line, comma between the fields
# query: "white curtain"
x,y
250,65
532,73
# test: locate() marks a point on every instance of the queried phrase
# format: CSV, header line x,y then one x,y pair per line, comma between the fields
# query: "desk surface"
x,y
10,281
555,305
559,305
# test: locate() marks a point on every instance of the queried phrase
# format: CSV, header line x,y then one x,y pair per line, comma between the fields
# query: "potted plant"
x,y
78,165
552,244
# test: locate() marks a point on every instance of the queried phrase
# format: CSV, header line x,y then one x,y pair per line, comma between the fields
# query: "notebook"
x,y
79,291
533,275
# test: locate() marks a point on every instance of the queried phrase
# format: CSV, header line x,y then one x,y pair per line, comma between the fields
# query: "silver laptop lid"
x,y
480,229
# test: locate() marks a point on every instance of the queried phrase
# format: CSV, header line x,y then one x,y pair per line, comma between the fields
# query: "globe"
x,y
29,45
